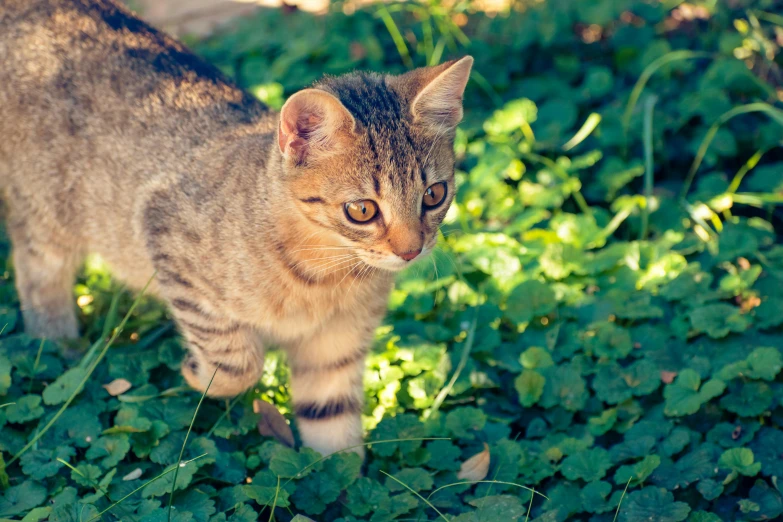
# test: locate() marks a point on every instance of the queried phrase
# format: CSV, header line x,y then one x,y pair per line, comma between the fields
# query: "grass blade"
x,y
774,113
649,107
396,35
35,365
403,484
532,490
126,497
616,513
185,443
460,366
747,167
587,128
91,369
647,73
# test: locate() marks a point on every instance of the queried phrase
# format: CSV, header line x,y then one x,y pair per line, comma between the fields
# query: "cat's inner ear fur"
x,y
313,124
438,102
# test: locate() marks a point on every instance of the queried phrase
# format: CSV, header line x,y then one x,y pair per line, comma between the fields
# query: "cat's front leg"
x,y
229,350
327,371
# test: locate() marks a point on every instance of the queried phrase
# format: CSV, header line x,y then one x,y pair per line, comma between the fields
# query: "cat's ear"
x,y
438,93
313,124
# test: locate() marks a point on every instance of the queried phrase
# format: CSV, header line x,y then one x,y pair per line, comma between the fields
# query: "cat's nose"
x,y
410,255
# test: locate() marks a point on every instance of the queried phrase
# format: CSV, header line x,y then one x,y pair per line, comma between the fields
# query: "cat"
x,y
260,227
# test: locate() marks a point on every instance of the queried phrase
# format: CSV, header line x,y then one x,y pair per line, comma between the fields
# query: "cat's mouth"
x,y
393,262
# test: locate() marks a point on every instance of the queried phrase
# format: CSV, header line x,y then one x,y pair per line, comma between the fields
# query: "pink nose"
x,y
409,256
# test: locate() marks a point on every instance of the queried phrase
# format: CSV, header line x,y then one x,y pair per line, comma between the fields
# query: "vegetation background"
x,y
603,321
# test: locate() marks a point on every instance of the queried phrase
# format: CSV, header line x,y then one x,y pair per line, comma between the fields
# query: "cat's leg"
x,y
44,269
327,373
231,351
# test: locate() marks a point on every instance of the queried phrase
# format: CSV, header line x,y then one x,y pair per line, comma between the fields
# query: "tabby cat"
x,y
261,227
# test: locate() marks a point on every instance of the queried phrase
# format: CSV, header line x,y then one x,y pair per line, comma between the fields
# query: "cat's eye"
x,y
361,211
434,195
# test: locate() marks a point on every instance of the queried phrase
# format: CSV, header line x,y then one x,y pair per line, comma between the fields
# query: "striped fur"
x,y
118,141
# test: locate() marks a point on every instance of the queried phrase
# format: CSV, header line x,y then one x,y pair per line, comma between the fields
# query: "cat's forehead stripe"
x,y
375,105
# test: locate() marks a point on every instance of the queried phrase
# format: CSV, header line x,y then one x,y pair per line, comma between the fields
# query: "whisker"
x,y
335,264
319,248
353,267
357,277
342,256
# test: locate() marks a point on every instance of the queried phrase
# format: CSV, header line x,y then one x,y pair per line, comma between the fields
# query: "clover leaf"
x,y
686,394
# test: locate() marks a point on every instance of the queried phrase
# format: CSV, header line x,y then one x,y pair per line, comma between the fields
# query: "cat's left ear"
x,y
314,124
437,93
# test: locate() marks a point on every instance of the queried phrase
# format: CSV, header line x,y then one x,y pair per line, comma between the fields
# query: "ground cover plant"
x,y
603,322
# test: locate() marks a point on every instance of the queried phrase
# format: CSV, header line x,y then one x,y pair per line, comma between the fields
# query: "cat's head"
x,y
369,159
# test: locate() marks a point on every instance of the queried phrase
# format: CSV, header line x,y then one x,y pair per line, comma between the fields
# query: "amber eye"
x,y
361,211
435,195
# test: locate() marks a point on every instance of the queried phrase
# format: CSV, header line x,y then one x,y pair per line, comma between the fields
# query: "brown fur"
x,y
115,140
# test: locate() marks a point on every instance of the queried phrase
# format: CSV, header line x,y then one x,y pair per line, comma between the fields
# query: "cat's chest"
x,y
294,315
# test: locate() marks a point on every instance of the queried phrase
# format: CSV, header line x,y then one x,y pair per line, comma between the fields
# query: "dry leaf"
x,y
133,475
476,467
117,386
272,423
668,377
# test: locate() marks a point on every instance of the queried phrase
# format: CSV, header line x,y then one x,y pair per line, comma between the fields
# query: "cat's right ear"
x,y
313,124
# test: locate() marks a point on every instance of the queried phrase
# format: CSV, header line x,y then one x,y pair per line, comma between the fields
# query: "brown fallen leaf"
x,y
272,423
117,387
476,467
668,377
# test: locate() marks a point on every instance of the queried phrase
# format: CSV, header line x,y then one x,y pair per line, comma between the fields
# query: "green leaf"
x,y
767,503
86,475
404,426
66,384
535,357
686,394
564,387
415,478
288,463
748,399
497,507
27,408
5,374
718,320
245,513
163,485
367,496
740,460
614,384
530,299
42,463
110,448
766,448
637,473
530,386
24,497
315,492
606,339
464,422
595,497
769,314
652,503
444,456
75,512
762,363
588,465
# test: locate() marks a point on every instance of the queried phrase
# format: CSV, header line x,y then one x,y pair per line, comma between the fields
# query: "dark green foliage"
x,y
599,359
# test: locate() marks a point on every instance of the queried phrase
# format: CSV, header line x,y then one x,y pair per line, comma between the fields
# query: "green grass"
x,y
604,311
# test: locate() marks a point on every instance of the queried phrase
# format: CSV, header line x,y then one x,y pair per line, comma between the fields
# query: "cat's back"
x,y
90,71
